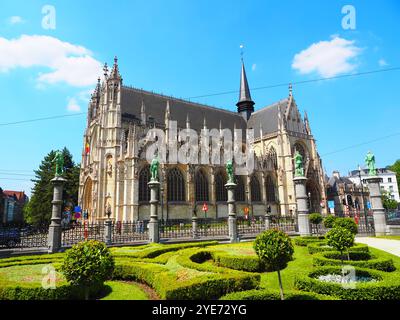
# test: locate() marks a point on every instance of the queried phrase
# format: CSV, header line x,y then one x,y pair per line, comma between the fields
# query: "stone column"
x,y
54,238
303,219
154,235
376,205
108,231
194,226
232,223
267,221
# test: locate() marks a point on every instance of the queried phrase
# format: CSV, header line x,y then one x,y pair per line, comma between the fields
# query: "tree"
x,y
38,209
329,221
315,219
387,202
395,167
347,223
275,249
341,239
87,265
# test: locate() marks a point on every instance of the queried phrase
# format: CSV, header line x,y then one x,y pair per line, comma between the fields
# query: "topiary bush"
x,y
87,264
275,250
347,223
341,239
329,221
315,218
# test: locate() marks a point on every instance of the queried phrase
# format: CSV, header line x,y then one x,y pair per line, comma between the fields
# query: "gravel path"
x,y
391,246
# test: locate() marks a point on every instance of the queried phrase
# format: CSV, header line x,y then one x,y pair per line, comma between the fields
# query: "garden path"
x,y
388,245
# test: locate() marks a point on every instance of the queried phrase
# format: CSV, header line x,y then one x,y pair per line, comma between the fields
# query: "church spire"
x,y
115,70
245,105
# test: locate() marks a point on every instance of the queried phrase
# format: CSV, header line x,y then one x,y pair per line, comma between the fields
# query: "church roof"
x,y
155,107
268,117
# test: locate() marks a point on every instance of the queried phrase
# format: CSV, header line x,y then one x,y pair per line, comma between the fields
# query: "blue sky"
x,y
191,48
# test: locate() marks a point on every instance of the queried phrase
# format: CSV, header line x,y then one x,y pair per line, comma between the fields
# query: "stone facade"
x,y
114,171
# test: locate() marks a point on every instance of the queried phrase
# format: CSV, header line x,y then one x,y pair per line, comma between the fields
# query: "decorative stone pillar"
x,y
303,218
232,223
54,238
108,231
376,205
267,221
194,226
154,235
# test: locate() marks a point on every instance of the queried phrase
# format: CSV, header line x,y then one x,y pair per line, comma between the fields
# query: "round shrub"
x,y
329,221
347,223
357,259
340,238
274,248
315,247
315,218
88,263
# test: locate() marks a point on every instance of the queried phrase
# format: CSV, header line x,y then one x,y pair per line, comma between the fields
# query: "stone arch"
x,y
175,185
201,186
221,194
314,196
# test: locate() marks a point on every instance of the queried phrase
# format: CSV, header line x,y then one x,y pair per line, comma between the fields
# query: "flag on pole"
x,y
87,148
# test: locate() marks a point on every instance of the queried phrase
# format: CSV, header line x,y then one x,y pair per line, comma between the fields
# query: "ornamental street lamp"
x,y
363,199
162,203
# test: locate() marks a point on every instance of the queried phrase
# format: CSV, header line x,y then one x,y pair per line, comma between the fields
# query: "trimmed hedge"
x,y
210,286
305,240
386,288
267,294
237,262
322,247
357,259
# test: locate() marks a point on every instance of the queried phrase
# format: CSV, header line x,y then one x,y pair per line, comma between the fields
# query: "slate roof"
x,y
155,106
268,117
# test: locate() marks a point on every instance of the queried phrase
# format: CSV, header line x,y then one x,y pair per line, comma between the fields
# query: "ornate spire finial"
x,y
105,69
241,51
290,89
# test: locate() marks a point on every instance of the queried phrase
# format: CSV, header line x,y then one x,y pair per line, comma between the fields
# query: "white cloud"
x,y
15,20
73,105
382,63
327,58
253,67
68,63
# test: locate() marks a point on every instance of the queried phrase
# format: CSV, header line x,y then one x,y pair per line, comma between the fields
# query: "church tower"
x,y
245,106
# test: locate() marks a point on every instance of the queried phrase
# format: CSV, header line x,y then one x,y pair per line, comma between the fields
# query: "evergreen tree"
x,y
38,210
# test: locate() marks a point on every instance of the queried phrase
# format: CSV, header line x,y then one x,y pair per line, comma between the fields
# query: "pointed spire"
x,y
187,121
143,113
204,123
290,90
261,131
245,105
115,70
167,114
307,123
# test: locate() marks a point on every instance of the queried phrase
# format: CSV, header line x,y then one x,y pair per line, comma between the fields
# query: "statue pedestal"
x,y
154,235
376,205
54,237
232,223
303,219
108,232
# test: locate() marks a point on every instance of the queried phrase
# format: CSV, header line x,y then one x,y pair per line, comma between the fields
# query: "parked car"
x,y
9,237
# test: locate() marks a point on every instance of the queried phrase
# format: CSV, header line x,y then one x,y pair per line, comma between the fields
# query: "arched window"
x,y
298,147
255,189
201,185
175,185
221,194
239,191
273,158
270,187
144,190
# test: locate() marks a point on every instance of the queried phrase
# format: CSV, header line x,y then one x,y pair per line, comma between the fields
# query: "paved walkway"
x,y
391,246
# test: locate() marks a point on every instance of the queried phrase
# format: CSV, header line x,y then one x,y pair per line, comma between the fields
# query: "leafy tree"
x,y
395,167
341,239
387,202
315,219
38,209
275,250
88,264
329,221
347,223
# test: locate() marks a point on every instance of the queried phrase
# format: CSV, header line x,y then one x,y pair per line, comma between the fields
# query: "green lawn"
x,y
389,237
117,290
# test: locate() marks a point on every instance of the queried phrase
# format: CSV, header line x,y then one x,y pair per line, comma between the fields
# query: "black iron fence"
x,y
124,232
285,224
212,227
75,233
392,217
251,226
24,236
173,229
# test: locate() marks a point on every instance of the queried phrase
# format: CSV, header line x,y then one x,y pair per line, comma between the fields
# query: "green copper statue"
x,y
298,162
59,159
370,162
154,169
229,171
